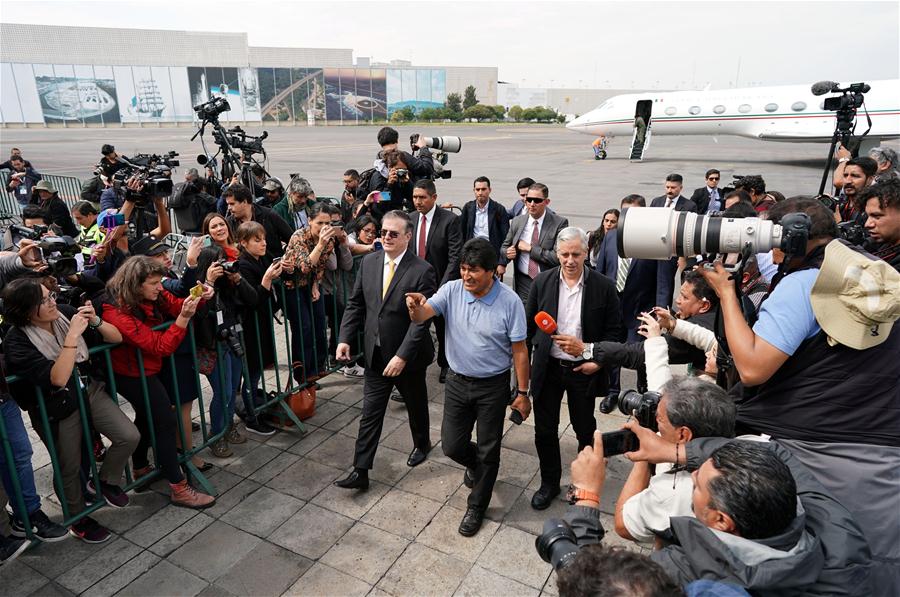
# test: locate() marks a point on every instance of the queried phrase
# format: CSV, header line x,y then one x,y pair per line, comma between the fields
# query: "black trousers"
x,y
376,394
467,402
561,379
440,327
522,283
164,425
615,385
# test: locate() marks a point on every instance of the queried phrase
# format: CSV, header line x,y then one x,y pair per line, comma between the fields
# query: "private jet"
x,y
791,113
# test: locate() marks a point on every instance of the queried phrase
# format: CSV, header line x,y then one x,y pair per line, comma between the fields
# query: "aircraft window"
x,y
771,107
798,106
744,108
671,110
719,109
694,109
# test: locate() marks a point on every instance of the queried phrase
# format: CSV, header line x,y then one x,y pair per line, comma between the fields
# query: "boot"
x,y
187,497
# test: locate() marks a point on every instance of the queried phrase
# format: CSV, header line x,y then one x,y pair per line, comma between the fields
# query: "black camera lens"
x,y
557,544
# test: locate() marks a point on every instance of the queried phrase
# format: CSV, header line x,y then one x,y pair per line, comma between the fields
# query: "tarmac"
x,y
279,527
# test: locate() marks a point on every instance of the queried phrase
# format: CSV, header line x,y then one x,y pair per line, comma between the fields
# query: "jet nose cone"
x,y
578,124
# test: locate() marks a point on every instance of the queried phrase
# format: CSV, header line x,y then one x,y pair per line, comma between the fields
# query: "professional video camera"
x,y
58,252
441,146
229,141
844,106
652,233
154,171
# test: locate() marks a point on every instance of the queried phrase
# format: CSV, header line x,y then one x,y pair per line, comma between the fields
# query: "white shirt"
x,y
482,230
671,205
568,317
387,267
429,218
650,510
524,258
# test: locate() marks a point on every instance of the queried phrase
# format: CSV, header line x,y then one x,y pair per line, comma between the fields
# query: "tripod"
x,y
843,132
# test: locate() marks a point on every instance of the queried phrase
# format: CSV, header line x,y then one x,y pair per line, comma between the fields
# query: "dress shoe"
x,y
609,403
417,456
442,378
469,478
543,497
358,479
471,521
396,397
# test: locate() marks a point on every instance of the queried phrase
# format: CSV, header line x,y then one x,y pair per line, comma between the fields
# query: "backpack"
x,y
365,181
91,189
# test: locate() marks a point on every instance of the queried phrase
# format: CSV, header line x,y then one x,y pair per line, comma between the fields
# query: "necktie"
x,y
668,202
388,278
422,224
622,273
535,241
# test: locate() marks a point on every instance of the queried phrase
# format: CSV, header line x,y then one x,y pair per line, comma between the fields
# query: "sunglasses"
x,y
534,200
713,178
390,234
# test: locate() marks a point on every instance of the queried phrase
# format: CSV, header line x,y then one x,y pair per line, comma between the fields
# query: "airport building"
x,y
91,76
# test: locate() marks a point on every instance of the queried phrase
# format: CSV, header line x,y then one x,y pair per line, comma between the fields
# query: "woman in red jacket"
x,y
137,304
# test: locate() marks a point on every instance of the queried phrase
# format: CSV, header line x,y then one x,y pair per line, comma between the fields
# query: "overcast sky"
x,y
539,44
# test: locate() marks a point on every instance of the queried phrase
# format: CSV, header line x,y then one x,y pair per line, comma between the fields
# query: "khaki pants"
x,y
111,422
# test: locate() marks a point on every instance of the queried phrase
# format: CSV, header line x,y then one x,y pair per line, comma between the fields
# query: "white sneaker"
x,y
354,371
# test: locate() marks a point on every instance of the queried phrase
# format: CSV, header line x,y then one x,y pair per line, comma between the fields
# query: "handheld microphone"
x,y
823,87
545,322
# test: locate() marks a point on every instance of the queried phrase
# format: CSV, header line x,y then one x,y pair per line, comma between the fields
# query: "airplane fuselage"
x,y
786,113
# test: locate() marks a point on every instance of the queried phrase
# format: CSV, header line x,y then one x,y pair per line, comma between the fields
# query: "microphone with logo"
x,y
546,324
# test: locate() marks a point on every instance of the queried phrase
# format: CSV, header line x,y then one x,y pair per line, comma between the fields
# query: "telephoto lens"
x,y
448,143
659,233
557,544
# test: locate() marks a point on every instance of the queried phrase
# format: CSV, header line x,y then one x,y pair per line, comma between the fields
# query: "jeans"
x,y
221,409
20,446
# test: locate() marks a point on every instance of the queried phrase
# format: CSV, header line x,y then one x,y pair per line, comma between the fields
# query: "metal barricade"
x,y
303,339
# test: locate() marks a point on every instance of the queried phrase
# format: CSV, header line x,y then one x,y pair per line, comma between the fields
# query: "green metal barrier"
x,y
274,403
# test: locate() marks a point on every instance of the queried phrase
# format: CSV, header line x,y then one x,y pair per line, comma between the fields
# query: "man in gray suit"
x,y
397,351
530,242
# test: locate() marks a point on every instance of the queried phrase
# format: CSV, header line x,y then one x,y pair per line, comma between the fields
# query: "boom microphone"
x,y
823,87
545,323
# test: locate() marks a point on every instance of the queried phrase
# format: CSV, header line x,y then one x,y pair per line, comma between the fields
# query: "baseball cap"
x,y
856,297
272,185
148,246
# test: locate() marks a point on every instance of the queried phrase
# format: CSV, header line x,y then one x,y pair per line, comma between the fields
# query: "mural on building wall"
x,y
65,97
137,94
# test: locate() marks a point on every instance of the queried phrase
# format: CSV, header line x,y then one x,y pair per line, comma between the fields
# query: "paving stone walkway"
x,y
280,527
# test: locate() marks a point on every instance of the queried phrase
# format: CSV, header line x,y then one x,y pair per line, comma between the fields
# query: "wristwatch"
x,y
576,494
588,353
522,393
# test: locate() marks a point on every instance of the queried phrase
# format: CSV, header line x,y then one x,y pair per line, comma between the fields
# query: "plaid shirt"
x,y
297,252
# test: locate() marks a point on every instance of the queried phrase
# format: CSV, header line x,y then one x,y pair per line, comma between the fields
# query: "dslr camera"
x,y
231,336
441,146
229,267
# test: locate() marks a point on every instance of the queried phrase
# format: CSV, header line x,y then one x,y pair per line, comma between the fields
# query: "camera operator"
x,y
110,163
348,195
242,209
856,175
881,203
824,337
760,519
273,193
399,183
21,180
295,207
192,201
689,408
44,195
887,162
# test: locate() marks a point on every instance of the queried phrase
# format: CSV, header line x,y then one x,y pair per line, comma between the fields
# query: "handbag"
x,y
303,403
60,404
206,360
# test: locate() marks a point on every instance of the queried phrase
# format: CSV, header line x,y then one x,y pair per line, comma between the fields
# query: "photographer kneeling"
x,y
819,370
760,519
689,408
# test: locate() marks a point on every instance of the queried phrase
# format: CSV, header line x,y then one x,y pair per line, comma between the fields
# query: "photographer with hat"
x,y
819,370
44,195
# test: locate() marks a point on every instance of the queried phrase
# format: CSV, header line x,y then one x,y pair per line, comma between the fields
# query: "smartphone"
x,y
197,291
619,442
383,196
378,246
276,260
207,241
515,416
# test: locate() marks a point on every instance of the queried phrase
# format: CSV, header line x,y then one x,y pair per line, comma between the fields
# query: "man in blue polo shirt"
x,y
485,335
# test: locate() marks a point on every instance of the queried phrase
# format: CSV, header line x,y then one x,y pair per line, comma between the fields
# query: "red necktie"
x,y
533,267
422,224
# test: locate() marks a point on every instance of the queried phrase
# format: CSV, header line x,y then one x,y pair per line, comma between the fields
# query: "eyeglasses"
x,y
534,200
390,234
50,299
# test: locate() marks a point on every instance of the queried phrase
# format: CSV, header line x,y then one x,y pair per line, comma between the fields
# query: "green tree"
x,y
515,113
433,114
469,100
499,112
479,112
454,103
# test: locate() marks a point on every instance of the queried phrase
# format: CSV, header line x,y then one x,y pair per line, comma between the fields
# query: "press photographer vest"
x,y
831,394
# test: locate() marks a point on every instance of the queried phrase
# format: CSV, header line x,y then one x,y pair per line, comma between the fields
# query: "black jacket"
x,y
498,224
639,293
822,552
600,320
631,355
277,230
257,316
386,321
701,199
59,213
443,244
666,268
